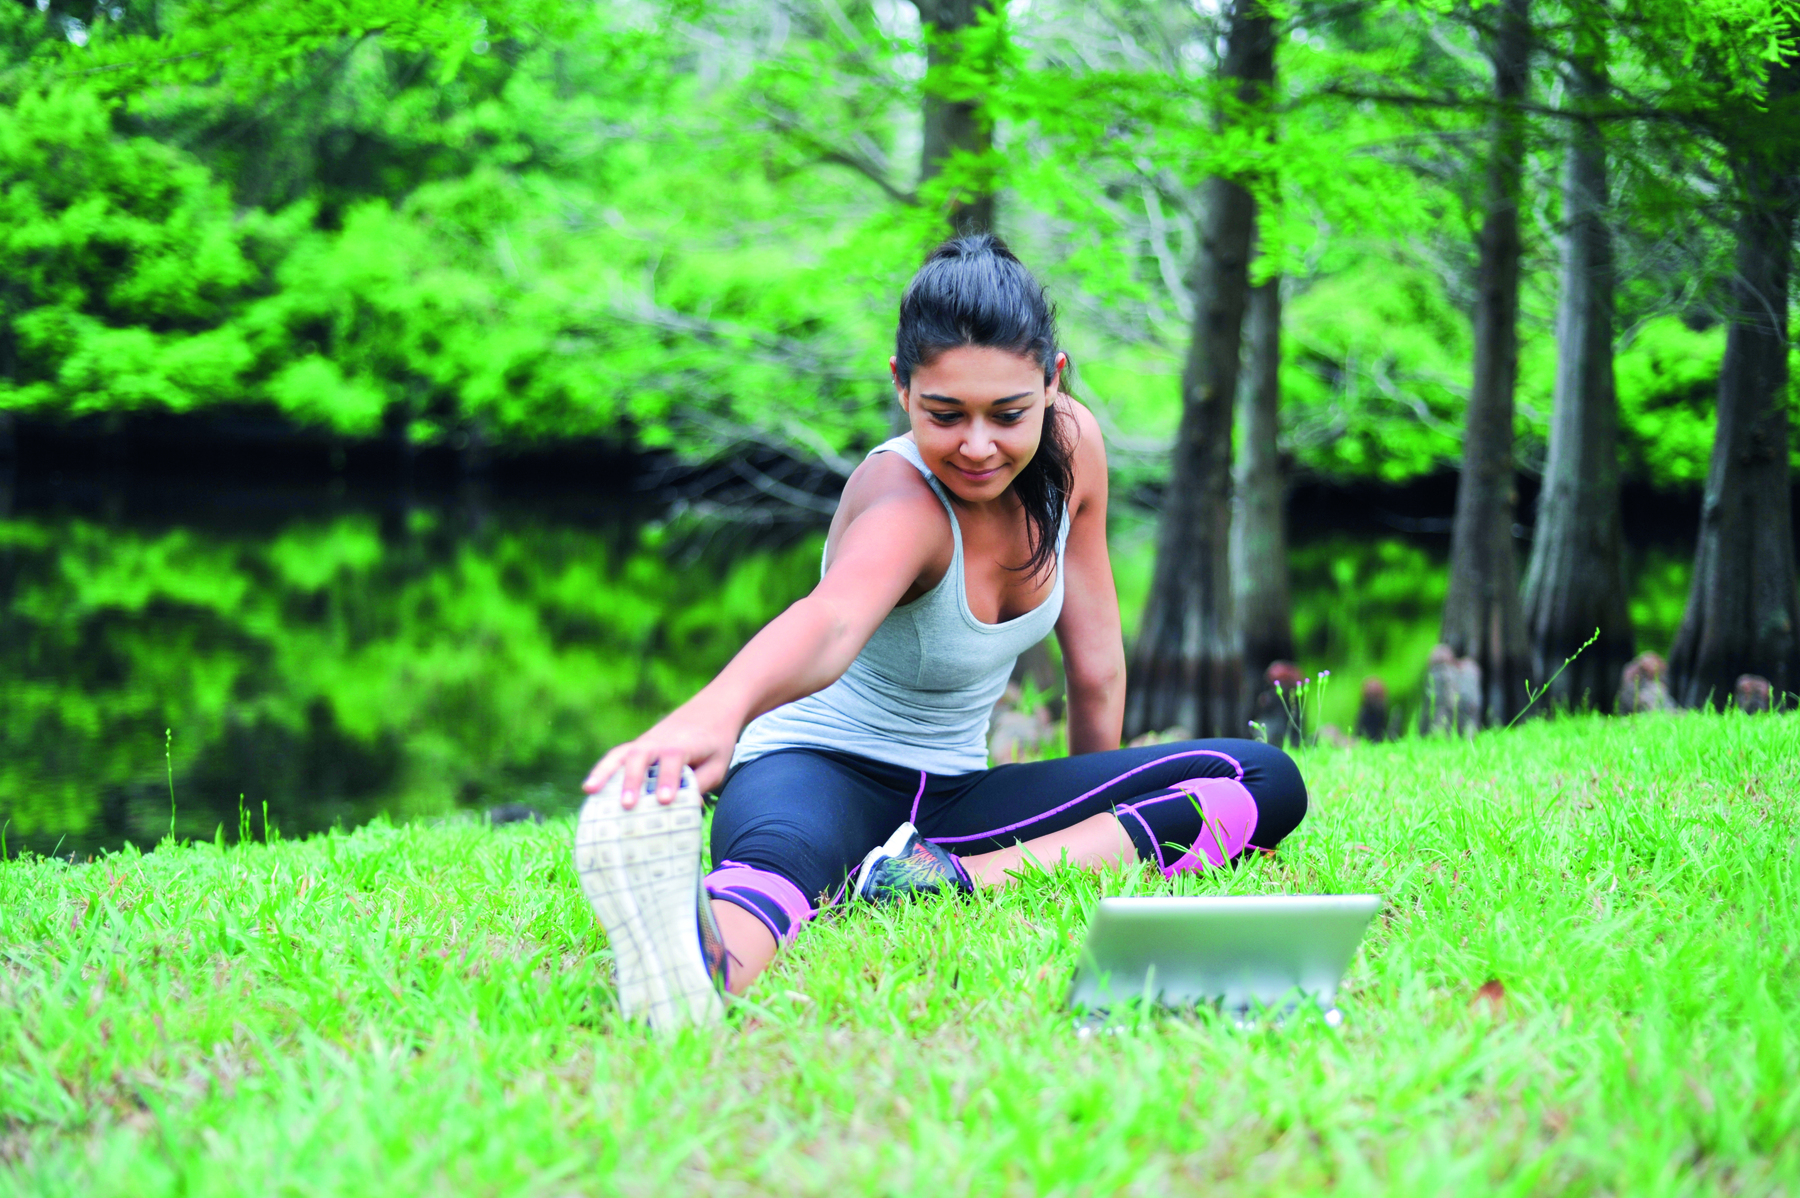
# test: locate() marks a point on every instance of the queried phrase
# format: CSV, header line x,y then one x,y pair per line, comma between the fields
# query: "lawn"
x,y
426,1009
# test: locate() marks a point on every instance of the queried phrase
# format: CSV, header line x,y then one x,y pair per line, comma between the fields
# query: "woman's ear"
x,y
899,390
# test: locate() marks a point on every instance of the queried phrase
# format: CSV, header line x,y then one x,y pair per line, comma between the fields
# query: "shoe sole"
x,y
640,870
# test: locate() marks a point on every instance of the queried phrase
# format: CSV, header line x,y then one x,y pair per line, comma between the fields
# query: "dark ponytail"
x,y
973,291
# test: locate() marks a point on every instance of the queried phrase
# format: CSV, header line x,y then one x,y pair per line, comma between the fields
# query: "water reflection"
x,y
424,659
337,667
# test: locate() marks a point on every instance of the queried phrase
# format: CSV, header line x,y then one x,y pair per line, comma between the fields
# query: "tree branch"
x,y
776,489
839,155
1459,103
869,171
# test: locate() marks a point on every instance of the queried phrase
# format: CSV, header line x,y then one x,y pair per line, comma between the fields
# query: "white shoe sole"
x,y
640,872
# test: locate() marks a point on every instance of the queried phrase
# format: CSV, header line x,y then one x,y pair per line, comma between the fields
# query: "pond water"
x,y
324,658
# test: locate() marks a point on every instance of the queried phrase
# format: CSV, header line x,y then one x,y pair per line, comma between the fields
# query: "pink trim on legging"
x,y
1229,811
1235,764
1173,793
734,875
726,894
1155,845
914,817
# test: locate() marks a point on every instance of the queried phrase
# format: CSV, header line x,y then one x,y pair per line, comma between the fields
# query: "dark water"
x,y
336,656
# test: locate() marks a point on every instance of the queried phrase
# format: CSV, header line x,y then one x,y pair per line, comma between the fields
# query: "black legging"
x,y
791,825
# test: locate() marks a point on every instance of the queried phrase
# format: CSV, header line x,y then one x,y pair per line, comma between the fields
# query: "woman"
x,y
847,740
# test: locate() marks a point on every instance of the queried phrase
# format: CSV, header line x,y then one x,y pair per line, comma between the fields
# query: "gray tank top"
x,y
920,693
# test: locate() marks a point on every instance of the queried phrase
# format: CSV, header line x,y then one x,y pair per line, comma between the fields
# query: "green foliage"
x,y
1668,386
452,257
123,260
428,1007
1376,373
685,224
121,49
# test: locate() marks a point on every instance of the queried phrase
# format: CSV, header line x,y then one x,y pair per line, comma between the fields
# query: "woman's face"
x,y
977,414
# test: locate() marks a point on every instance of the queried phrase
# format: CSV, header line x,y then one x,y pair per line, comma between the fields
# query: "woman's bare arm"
x,y
898,531
1093,645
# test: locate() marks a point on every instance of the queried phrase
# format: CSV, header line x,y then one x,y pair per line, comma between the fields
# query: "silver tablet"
x,y
1241,952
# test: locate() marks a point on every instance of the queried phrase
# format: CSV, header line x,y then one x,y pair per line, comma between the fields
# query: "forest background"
x,y
681,227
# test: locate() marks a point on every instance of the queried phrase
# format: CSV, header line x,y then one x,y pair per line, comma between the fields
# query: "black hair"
x,y
973,290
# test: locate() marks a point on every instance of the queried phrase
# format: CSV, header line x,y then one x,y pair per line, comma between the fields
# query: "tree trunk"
x,y
1742,611
1259,564
953,125
1576,581
1187,665
1483,618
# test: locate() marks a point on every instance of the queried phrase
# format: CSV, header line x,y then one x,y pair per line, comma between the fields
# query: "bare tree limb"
x,y
840,156
780,490
1475,105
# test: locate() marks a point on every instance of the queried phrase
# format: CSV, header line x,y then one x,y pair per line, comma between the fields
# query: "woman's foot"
x,y
640,872
907,865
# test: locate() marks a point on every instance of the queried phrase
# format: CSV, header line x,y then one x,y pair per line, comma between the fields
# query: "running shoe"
x,y
640,872
908,865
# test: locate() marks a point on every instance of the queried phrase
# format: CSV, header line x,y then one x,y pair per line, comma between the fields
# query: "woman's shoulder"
x,y
1087,450
884,476
1087,425
888,482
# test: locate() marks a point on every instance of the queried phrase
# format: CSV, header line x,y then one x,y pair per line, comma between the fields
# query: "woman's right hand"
x,y
685,737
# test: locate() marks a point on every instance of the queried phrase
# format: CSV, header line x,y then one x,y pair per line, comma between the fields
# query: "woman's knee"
x,y
782,844
801,853
1273,778
1268,773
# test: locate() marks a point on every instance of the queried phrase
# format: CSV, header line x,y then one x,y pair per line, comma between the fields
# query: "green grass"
x,y
424,1009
